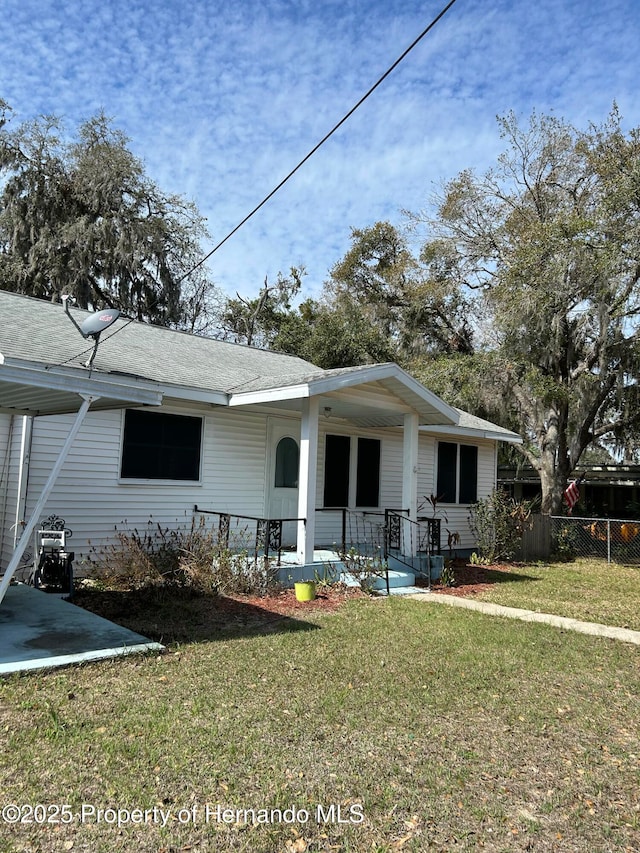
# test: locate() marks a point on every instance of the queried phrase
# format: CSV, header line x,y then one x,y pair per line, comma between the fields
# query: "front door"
x,y
282,473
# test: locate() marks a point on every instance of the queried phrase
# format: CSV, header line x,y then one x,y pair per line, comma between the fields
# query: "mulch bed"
x,y
470,579
183,615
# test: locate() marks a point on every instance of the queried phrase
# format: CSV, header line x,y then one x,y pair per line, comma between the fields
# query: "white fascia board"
x,y
72,381
469,432
327,384
271,395
377,373
196,395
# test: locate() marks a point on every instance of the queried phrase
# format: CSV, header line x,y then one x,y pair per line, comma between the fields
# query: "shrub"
x,y
499,523
192,556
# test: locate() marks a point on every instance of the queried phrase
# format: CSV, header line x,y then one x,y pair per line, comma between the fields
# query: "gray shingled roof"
x,y
38,330
468,421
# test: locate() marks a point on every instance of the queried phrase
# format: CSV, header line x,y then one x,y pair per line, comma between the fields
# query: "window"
x,y
457,480
340,472
157,446
336,470
368,472
287,459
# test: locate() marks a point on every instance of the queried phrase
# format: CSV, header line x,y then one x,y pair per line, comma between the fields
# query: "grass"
x,y
586,589
427,728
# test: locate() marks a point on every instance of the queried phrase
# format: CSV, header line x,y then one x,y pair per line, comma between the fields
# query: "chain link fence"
x,y
616,540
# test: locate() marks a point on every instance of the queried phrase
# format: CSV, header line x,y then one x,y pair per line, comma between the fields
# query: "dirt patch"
x,y
470,580
178,615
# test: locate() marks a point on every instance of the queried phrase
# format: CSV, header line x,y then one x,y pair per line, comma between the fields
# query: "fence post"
x,y
608,540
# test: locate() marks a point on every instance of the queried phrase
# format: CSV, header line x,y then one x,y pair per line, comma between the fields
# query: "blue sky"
x,y
221,100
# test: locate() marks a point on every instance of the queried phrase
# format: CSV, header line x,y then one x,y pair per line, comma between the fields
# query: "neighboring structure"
x,y
607,491
237,430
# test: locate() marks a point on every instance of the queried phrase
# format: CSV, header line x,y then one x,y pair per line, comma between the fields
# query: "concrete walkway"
x,y
593,628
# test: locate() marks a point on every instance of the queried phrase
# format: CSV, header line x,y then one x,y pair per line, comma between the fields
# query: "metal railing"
x,y
412,542
261,536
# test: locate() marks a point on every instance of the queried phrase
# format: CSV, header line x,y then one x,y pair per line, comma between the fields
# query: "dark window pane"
x,y
468,474
447,458
158,446
287,464
336,470
368,482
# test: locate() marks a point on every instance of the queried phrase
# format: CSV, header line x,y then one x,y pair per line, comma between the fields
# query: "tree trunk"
x,y
553,479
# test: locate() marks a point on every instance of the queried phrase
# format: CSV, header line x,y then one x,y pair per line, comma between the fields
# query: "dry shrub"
x,y
192,557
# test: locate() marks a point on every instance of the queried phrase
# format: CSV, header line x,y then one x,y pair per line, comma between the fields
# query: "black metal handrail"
x,y
423,537
268,536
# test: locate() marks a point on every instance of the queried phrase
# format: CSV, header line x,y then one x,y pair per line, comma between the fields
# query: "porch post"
x,y
44,496
410,480
307,479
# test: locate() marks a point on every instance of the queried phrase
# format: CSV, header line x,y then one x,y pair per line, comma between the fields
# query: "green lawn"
x,y
586,589
430,728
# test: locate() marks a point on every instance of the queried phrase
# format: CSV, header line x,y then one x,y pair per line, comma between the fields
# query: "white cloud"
x,y
222,100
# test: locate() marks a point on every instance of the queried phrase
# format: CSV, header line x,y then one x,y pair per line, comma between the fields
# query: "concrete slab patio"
x,y
626,635
39,631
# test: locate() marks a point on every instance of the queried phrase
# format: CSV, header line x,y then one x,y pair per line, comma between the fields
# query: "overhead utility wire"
x,y
322,141
327,136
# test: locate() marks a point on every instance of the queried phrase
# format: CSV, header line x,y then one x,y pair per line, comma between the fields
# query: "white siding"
x,y
455,517
93,500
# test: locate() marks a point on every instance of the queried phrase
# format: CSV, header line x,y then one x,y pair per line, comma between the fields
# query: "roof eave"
x,y
470,432
45,389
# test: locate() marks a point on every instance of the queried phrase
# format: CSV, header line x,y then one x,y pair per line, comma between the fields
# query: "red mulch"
x,y
183,615
470,579
328,599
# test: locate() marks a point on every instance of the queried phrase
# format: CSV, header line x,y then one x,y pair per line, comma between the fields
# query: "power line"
x,y
315,148
322,141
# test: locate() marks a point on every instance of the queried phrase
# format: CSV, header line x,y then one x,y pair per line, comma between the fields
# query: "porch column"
x,y
410,480
307,479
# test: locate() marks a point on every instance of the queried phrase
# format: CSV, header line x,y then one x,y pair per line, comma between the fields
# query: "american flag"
x,y
572,493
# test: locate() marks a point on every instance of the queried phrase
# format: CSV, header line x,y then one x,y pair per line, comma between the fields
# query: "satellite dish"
x,y
98,322
94,325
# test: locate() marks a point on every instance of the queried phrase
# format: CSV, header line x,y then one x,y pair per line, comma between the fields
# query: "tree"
x,y
408,300
81,217
332,335
548,244
257,322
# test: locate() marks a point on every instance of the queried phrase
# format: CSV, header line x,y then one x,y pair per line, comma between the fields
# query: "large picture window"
x,y
457,477
158,446
339,491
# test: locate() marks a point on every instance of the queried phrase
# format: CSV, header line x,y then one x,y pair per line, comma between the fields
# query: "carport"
x,y
37,629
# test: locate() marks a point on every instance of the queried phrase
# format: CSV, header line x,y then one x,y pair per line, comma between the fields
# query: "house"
x,y
609,490
163,422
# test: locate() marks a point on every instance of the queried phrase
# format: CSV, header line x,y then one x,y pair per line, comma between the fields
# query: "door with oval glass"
x,y
282,474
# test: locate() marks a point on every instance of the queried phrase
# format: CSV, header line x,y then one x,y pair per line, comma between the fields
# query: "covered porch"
x,y
331,477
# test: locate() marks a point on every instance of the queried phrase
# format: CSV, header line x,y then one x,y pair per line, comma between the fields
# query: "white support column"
x,y
44,496
307,479
23,475
410,480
